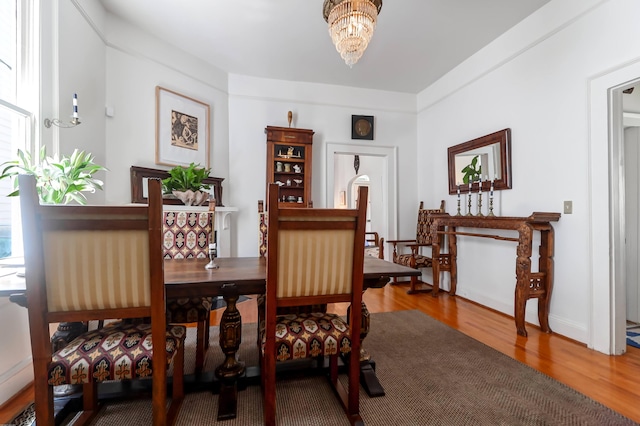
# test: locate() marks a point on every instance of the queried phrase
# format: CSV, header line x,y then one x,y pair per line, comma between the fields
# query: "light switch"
x,y
568,207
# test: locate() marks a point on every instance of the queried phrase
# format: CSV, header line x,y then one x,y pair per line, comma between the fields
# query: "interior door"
x,y
632,221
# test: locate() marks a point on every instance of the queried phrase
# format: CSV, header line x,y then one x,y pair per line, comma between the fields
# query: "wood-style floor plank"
x,y
611,380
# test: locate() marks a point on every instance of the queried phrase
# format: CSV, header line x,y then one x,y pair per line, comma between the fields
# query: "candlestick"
x,y
480,204
469,204
75,105
212,257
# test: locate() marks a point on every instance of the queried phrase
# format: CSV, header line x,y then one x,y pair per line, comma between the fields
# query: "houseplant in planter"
x,y
186,184
59,180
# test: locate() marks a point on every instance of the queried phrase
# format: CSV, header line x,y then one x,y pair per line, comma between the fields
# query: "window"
x,y
18,72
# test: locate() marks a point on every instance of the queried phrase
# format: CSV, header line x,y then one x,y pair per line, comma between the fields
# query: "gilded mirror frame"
x,y
495,147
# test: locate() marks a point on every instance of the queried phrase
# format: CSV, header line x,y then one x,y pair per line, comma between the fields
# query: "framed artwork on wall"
x,y
182,129
362,127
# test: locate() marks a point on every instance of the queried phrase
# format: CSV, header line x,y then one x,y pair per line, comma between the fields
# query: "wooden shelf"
x,y
288,149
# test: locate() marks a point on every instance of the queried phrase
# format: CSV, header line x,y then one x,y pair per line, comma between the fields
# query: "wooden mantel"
x,y
528,284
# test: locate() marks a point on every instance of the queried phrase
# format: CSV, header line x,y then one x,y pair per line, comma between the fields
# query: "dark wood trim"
x,y
138,174
502,137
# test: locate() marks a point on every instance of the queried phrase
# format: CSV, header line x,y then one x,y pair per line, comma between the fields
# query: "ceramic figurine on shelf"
x,y
297,168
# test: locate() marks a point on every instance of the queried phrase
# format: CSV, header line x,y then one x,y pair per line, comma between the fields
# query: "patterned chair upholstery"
x,y
185,235
410,252
314,257
93,263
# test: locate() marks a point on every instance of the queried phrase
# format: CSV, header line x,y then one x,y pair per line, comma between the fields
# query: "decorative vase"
x,y
192,198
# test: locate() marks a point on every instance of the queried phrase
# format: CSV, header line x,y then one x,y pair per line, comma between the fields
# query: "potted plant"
x,y
186,184
59,180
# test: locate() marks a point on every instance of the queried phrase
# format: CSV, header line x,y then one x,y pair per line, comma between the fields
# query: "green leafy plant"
x,y
471,173
59,180
186,178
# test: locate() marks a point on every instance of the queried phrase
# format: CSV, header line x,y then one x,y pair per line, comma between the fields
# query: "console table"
x,y
529,284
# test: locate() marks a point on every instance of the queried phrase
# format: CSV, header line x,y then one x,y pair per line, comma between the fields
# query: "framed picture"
x,y
362,127
182,129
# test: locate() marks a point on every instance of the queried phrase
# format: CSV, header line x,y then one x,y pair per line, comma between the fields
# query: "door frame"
x,y
607,317
389,178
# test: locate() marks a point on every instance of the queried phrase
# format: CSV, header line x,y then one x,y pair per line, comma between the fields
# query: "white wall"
x,y
533,79
255,103
16,370
136,64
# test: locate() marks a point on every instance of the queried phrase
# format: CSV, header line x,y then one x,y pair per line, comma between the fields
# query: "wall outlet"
x,y
568,207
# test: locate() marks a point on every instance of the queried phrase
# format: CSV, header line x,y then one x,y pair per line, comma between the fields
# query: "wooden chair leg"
x,y
206,330
43,395
200,345
333,369
90,397
269,390
177,390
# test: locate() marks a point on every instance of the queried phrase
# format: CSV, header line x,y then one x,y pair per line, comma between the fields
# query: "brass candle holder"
x,y
469,204
479,204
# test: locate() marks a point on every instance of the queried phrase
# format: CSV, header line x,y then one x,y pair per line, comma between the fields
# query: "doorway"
x,y
379,164
607,325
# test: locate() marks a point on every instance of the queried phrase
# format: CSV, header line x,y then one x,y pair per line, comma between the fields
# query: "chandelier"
x,y
351,25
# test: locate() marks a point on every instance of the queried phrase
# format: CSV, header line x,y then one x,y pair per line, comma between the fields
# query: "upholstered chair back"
x,y
425,220
185,234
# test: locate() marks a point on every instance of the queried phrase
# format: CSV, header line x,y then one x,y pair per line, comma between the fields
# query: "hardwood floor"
x,y
613,381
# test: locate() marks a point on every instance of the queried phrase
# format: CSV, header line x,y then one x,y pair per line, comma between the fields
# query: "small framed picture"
x,y
362,127
182,129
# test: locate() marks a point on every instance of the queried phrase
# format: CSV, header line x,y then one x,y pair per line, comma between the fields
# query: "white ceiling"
x,y
415,42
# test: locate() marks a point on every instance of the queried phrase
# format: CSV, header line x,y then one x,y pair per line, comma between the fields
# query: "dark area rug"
x,y
432,375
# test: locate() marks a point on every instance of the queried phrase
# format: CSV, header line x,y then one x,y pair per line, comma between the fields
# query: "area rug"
x,y
633,338
432,375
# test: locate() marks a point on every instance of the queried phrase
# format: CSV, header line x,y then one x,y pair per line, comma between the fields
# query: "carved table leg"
x,y
368,378
453,261
546,267
435,267
523,271
230,370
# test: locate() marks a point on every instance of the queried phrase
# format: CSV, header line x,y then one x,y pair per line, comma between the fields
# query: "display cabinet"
x,y
289,164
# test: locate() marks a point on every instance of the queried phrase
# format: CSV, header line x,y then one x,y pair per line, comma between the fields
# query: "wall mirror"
x,y
492,154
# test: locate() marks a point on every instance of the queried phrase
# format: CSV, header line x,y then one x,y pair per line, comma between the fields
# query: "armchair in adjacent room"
x,y
413,253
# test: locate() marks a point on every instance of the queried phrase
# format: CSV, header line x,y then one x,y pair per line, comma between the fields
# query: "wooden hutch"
x,y
289,163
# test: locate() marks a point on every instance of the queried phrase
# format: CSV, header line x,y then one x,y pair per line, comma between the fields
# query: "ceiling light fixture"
x,y
351,25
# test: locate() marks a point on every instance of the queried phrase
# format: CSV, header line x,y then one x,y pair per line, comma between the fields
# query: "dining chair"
x,y
263,218
314,256
412,253
87,263
185,235
373,245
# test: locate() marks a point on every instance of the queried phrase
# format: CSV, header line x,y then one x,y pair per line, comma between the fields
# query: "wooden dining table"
x,y
236,276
